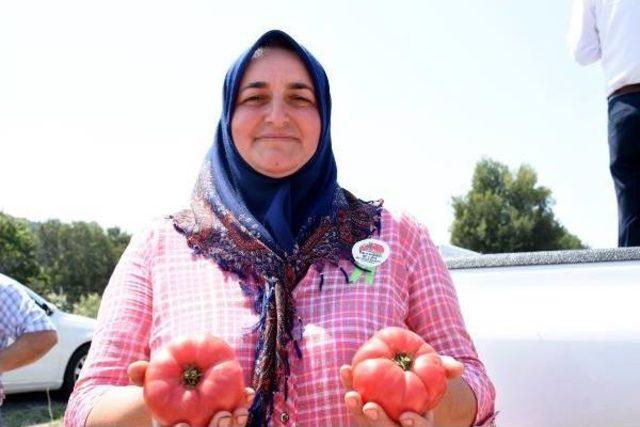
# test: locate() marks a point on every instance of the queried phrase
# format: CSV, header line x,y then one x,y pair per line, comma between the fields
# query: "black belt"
x,y
634,88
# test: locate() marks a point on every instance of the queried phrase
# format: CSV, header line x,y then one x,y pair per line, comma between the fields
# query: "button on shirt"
x,y
608,30
159,291
19,315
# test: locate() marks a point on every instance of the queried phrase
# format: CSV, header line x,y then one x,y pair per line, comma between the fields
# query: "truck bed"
x,y
559,333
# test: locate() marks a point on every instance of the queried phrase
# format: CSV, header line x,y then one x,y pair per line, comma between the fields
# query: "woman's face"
x,y
276,124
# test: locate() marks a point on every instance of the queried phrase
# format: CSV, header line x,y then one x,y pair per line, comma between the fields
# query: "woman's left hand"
x,y
372,414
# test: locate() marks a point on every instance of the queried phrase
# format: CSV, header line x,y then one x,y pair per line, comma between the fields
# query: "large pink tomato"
x,y
400,372
191,379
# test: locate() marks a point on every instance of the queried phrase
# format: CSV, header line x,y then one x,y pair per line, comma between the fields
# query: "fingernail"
x,y
352,403
407,422
224,422
372,414
242,419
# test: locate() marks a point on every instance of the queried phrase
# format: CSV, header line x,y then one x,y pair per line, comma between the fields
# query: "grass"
x,y
32,410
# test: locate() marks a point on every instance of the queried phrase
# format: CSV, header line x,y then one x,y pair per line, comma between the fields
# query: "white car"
x,y
60,367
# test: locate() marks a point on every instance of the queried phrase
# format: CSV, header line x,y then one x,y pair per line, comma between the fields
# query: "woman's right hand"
x,y
238,418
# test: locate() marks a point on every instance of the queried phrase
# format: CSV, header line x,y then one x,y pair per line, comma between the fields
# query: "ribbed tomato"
x,y
191,379
400,372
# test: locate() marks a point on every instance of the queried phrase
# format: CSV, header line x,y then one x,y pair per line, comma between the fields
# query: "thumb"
x,y
452,367
136,372
346,376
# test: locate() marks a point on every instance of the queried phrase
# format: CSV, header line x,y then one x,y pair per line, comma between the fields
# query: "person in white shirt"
x,y
609,31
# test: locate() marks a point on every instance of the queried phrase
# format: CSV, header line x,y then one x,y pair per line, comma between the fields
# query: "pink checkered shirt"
x,y
160,291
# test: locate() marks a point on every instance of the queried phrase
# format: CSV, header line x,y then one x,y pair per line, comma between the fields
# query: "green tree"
x,y
17,250
118,241
504,212
79,257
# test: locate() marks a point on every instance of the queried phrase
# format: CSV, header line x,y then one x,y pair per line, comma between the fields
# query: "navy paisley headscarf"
x,y
277,208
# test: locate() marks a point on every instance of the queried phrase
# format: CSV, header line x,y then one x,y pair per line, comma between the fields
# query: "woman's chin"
x,y
277,172
277,169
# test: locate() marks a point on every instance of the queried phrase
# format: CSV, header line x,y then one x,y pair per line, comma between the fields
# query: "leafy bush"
x,y
87,305
60,300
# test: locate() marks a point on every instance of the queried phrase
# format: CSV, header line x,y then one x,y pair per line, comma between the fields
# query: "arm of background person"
x,y
32,329
583,37
434,313
28,348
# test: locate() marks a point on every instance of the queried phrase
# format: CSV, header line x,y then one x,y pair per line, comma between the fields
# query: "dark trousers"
x,y
624,163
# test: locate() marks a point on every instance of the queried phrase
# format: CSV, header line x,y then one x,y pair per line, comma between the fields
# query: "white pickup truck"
x,y
559,333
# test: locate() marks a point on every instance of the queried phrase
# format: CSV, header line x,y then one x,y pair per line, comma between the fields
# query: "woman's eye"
x,y
302,99
254,99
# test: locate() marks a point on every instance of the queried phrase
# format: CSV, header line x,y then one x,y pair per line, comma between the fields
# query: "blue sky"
x,y
107,108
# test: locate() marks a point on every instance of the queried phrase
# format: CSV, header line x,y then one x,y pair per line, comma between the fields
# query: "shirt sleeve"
x,y
583,37
122,333
21,315
434,314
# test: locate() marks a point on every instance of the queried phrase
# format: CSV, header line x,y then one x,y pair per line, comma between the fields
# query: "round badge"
x,y
370,253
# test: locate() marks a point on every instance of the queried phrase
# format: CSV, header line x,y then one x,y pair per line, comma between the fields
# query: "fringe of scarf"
x,y
270,279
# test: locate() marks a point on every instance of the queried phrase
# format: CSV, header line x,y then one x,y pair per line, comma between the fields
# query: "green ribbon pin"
x,y
357,273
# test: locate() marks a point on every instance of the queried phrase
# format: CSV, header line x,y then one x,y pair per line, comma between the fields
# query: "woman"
x,y
263,259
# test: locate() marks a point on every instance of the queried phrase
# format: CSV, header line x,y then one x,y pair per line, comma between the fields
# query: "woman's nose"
x,y
277,113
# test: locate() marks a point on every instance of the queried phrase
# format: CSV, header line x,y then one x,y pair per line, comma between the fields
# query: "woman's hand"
x,y
372,414
238,418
